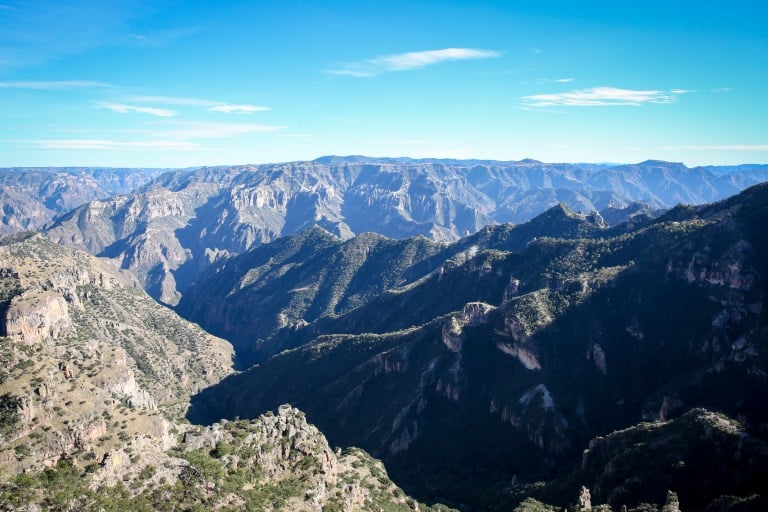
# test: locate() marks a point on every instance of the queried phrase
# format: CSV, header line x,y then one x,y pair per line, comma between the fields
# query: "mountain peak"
x,y
662,163
317,231
561,210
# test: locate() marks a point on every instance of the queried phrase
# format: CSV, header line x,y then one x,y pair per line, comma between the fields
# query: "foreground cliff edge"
x,y
95,378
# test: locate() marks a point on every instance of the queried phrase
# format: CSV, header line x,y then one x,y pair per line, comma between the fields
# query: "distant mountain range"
x,y
497,358
169,230
32,196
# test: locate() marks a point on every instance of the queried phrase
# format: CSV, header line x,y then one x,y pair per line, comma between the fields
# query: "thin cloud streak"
x,y
554,80
238,109
111,145
731,147
351,72
214,130
127,109
211,105
53,85
172,100
410,60
602,96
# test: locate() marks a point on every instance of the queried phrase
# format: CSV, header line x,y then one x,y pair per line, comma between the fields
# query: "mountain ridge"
x,y
371,262
32,196
546,336
172,228
541,349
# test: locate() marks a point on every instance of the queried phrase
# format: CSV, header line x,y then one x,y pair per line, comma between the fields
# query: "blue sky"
x,y
177,83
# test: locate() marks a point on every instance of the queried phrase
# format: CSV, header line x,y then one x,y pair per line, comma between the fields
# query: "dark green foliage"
x,y
9,415
590,333
297,279
199,486
701,455
313,276
532,505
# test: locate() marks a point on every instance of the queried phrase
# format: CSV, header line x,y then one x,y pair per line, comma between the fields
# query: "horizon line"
x,y
380,159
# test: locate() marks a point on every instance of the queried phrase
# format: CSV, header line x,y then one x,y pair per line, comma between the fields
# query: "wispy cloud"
x,y
410,60
297,135
162,37
100,144
602,96
52,85
554,80
212,105
127,109
201,130
238,109
174,100
732,147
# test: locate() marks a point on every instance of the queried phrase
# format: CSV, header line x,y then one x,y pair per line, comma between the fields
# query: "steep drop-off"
x,y
503,365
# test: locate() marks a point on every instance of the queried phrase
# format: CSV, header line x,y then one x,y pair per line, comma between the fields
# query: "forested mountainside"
x,y
32,196
500,362
254,299
171,229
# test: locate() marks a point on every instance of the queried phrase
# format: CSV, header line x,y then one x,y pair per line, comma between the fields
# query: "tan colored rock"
x,y
36,317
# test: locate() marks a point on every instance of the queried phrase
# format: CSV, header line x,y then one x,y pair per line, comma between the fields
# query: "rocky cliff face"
x,y
282,451
540,348
275,462
31,197
95,378
172,229
93,360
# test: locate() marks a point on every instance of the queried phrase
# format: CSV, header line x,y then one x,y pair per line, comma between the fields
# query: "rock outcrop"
x,y
37,317
95,378
96,364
